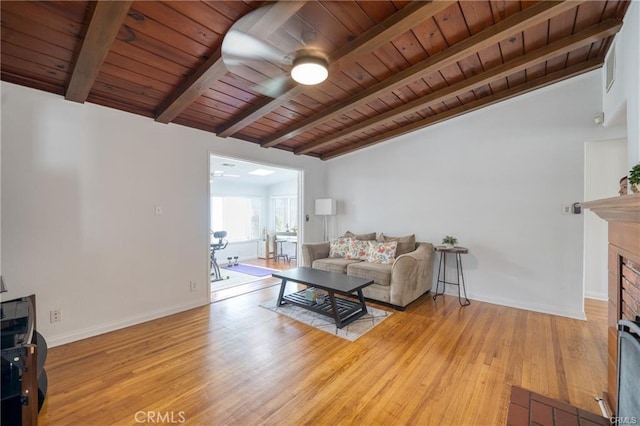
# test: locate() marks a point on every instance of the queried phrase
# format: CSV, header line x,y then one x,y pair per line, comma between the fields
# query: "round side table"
x,y
442,272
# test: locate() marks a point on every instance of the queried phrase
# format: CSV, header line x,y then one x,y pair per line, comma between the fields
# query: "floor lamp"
x,y
325,207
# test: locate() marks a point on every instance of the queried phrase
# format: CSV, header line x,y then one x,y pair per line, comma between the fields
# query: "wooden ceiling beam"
x,y
106,21
213,69
562,46
197,83
532,85
399,23
492,35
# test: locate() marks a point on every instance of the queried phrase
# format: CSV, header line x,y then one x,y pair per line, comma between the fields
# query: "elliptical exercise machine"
x,y
220,245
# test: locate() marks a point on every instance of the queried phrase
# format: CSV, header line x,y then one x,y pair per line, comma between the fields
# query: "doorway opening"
x,y
254,219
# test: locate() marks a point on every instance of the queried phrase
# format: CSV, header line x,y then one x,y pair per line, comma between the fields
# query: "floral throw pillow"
x,y
358,250
340,247
382,252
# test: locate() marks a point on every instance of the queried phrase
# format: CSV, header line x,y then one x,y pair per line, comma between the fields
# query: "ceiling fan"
x,y
272,60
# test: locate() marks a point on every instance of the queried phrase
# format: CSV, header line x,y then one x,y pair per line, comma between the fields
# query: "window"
x,y
285,208
239,216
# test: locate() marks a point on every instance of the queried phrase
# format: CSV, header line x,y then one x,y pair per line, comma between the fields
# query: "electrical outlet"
x,y
193,286
55,315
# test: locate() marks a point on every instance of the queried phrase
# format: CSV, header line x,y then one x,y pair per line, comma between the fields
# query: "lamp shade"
x,y
325,207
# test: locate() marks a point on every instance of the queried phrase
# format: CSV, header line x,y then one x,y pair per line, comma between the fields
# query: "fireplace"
x,y
628,404
623,361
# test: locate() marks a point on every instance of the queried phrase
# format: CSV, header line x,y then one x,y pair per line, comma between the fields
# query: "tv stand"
x,y
24,351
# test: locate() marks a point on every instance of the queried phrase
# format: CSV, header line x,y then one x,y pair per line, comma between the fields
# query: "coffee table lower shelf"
x,y
347,310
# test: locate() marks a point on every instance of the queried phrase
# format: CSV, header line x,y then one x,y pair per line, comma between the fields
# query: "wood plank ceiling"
x,y
394,66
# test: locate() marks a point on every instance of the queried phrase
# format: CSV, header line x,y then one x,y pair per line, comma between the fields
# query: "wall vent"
x,y
610,67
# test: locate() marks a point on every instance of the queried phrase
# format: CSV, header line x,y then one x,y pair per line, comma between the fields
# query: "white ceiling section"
x,y
225,169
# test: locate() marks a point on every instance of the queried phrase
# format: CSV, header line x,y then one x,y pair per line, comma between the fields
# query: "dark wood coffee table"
x,y
343,311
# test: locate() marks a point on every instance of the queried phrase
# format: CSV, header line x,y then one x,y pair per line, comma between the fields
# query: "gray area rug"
x,y
350,332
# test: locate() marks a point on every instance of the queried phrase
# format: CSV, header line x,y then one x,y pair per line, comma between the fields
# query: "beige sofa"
x,y
398,283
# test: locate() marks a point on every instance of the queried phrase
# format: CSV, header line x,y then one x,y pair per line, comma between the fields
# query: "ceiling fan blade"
x,y
276,86
238,45
261,47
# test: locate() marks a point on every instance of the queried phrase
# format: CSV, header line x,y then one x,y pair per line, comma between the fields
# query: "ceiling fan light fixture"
x,y
309,70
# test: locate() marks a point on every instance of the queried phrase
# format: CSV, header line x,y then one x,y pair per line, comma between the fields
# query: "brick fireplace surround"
x,y
527,408
623,216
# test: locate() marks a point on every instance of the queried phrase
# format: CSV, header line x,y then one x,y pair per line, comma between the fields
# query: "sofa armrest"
x,y
314,251
411,275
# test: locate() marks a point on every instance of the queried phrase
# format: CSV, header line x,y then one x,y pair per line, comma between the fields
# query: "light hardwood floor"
x,y
234,363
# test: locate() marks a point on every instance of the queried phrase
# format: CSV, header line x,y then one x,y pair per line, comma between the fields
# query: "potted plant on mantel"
x,y
449,241
634,178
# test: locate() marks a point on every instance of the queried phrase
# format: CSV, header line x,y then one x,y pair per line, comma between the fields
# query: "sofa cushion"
x,y
382,252
358,250
364,237
377,292
406,244
333,264
340,247
378,272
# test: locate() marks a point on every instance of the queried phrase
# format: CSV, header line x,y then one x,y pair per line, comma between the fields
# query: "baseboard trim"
x,y
596,296
544,309
62,339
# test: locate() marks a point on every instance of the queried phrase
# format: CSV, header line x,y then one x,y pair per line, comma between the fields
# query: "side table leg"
x,y
444,278
461,283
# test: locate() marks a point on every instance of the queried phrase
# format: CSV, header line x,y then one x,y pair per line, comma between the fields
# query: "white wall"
x,y
245,250
605,164
495,179
226,186
622,102
79,188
